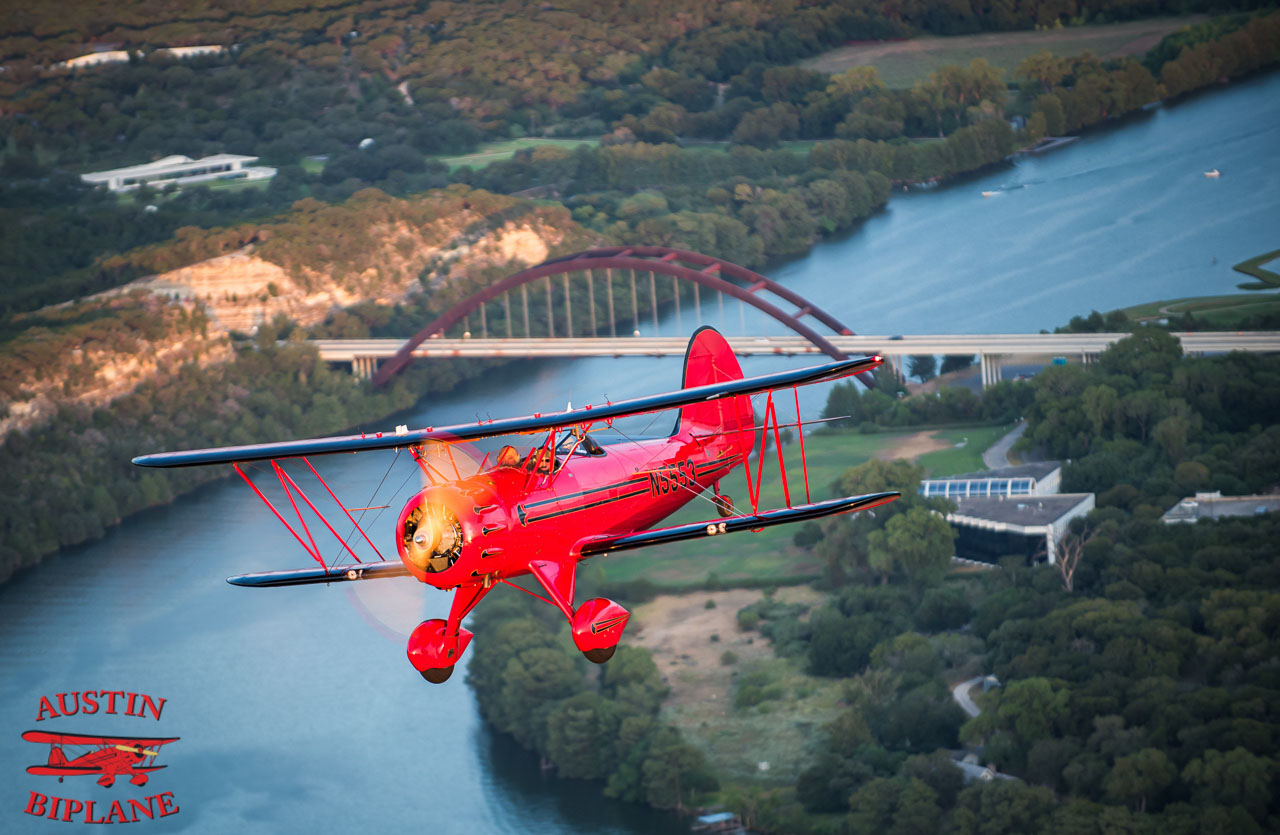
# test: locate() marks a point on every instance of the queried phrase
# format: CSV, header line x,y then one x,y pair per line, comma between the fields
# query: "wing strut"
x,y
804,462
357,524
290,486
336,535
268,503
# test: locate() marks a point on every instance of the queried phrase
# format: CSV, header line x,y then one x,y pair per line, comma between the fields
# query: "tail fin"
x,y
709,359
56,757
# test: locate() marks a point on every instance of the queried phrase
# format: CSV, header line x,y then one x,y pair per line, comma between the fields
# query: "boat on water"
x,y
1214,174
990,193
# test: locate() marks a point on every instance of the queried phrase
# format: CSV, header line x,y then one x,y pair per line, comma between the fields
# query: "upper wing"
x,y
531,423
817,510
82,739
64,770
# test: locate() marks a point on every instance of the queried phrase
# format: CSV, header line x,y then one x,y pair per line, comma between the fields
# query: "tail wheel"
x,y
724,505
601,655
438,675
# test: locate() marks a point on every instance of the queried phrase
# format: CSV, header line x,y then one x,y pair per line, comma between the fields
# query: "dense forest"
x,y
317,82
1139,692
75,473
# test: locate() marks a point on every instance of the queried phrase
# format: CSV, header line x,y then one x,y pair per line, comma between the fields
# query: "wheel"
x,y
724,505
438,675
601,655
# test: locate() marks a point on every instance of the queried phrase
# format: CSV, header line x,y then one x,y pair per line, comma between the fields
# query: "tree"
x,y
922,366
673,770
1234,777
580,731
1070,550
920,541
956,362
1138,777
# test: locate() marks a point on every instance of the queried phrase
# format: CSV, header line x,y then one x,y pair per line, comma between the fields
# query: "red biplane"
x,y
567,499
111,757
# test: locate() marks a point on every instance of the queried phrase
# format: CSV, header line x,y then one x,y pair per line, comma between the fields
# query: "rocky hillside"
x,y
372,248
304,265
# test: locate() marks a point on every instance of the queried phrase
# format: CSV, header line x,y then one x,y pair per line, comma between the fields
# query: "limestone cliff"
x,y
303,265
386,262
114,346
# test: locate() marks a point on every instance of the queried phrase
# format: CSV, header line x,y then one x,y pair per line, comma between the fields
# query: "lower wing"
x,y
734,524
63,770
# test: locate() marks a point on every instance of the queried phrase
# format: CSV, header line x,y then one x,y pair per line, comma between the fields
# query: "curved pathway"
x,y
997,455
961,694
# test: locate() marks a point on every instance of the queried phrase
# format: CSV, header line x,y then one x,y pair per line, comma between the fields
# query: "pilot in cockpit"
x,y
508,457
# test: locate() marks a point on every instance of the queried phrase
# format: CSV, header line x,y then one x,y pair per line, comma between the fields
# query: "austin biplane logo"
x,y
105,756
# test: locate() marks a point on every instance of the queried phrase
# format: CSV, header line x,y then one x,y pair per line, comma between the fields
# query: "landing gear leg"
x,y
436,645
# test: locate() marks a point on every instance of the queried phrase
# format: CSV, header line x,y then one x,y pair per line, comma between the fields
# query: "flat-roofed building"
x,y
93,59
1217,506
1038,479
191,51
180,170
991,527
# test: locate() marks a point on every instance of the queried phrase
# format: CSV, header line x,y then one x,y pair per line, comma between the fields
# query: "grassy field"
x,y
771,554
1254,267
1221,311
498,151
961,459
782,730
902,63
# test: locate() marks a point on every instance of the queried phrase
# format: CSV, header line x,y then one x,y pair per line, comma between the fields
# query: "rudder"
x,y
709,359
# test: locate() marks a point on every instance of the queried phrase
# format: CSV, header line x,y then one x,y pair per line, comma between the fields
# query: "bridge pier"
x,y
893,362
990,369
364,367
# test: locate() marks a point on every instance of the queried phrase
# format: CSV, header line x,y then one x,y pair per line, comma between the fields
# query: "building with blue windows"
x,y
1039,479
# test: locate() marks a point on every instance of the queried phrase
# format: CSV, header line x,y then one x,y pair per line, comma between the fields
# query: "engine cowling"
x,y
432,536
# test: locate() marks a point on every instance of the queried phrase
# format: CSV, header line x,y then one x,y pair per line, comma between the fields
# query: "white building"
x,y
180,170
1217,506
93,59
190,51
990,527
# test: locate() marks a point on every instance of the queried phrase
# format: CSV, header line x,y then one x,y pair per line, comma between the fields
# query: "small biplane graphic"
x,y
566,499
109,756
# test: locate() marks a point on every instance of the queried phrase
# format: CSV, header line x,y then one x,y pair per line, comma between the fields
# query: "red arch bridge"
x,y
573,306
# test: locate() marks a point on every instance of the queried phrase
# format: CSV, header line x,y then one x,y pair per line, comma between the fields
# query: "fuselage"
x,y
508,516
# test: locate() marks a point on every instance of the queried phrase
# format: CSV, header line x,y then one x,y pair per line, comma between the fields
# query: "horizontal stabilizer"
x,y
734,524
334,574
508,426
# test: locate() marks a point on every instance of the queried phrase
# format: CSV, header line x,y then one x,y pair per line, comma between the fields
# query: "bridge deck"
x,y
992,344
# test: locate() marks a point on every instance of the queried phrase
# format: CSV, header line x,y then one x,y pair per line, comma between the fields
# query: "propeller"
x,y
137,749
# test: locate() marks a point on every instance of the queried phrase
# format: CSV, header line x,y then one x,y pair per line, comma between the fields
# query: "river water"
x,y
296,708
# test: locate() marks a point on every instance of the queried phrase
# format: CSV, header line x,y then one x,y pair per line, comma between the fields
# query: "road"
x,y
961,694
997,455
1074,345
